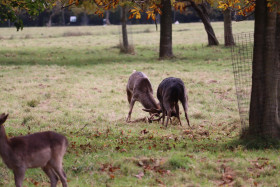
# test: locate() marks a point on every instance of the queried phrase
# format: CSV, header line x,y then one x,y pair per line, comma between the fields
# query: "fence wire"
x,y
242,57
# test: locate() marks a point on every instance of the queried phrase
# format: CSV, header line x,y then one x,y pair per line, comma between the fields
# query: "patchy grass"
x,y
76,86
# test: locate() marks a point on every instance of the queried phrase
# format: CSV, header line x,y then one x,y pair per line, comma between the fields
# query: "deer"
x,y
169,92
139,88
41,149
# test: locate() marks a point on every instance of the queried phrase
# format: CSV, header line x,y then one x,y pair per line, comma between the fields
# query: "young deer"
x,y
43,149
139,88
169,92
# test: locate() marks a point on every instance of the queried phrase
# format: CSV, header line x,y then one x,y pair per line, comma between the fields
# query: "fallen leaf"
x,y
140,175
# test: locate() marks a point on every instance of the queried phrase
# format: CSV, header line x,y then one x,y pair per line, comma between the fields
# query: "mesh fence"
x,y
242,57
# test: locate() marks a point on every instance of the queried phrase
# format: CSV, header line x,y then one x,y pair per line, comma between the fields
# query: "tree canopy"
x,y
9,9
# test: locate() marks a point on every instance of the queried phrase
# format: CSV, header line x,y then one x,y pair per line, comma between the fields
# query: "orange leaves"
x,y
99,13
243,7
135,12
151,11
180,6
76,2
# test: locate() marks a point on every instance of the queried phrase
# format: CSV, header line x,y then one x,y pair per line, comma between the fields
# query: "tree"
x,y
204,16
264,116
228,36
125,47
166,30
108,17
56,9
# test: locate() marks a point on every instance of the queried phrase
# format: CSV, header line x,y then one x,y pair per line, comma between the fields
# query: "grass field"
x,y
72,80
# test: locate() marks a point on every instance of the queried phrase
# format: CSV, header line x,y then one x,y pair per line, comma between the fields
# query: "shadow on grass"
x,y
254,143
72,57
94,56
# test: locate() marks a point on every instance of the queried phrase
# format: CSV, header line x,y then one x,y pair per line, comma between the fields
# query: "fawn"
x,y
42,149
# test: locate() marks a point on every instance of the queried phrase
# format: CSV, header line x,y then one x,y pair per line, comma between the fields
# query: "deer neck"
x,y
149,102
4,146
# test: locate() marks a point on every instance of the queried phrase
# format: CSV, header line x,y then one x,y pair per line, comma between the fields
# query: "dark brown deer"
x,y
169,92
139,89
43,149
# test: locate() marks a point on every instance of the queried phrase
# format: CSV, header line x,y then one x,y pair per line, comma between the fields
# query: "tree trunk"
x,y
108,17
202,12
62,17
124,30
85,19
229,41
49,24
166,30
265,97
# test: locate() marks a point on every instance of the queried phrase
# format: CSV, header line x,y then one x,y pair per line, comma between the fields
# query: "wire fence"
x,y
242,57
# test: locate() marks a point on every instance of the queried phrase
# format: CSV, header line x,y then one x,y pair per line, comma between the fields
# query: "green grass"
x,y
75,85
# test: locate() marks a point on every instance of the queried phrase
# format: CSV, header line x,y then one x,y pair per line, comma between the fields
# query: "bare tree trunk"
x,y
85,19
49,24
204,16
265,97
229,41
62,17
124,29
166,30
108,17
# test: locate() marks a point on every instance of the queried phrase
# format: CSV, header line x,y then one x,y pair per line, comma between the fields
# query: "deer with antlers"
x,y
139,89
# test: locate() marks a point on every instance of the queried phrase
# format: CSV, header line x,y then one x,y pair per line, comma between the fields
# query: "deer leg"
x,y
51,174
56,165
163,116
130,110
185,106
178,113
168,117
60,172
129,95
19,176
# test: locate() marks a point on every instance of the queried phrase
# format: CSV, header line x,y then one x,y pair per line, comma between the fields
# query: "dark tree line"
x,y
61,17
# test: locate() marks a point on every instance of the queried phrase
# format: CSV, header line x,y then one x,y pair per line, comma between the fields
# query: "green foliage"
x,y
9,9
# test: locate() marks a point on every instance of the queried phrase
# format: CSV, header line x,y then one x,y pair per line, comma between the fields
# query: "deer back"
x,y
141,88
171,90
34,150
138,81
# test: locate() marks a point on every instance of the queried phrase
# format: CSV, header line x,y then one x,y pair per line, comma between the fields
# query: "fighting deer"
x,y
42,149
169,92
139,89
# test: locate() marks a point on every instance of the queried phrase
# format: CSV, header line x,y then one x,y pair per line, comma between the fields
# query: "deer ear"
x,y
3,118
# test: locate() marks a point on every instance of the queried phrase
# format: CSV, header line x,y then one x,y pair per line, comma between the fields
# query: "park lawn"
x,y
73,82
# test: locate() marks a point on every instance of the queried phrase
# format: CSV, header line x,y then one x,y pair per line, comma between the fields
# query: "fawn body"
x,y
43,149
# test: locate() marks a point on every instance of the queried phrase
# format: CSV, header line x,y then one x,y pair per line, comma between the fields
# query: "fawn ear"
x,y
3,118
152,110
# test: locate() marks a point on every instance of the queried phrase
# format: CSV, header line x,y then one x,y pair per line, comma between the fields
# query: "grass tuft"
x,y
72,33
33,103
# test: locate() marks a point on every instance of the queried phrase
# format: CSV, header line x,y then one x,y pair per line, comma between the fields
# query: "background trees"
x,y
264,113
